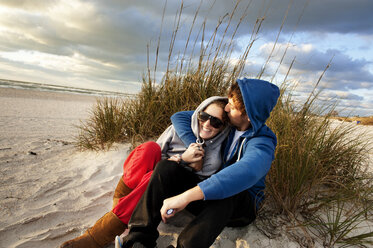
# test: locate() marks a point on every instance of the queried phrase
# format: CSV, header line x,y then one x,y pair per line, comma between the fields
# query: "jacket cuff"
x,y
209,189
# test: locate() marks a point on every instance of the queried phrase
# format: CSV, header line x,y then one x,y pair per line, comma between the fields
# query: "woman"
x,y
209,124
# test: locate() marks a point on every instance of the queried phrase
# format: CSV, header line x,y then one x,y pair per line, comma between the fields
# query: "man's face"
x,y
236,118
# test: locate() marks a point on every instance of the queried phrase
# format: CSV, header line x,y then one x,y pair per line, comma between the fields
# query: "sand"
x,y
50,192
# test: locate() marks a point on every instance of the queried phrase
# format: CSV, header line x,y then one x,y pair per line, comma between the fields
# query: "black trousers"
x,y
170,179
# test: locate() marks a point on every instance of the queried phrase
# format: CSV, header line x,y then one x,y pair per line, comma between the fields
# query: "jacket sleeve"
x,y
164,141
181,122
243,174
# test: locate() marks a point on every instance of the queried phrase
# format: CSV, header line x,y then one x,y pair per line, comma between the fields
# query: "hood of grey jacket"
x,y
219,138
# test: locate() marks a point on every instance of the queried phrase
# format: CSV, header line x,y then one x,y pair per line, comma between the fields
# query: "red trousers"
x,y
137,170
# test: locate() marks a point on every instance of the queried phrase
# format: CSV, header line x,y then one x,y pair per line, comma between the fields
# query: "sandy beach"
x,y
50,192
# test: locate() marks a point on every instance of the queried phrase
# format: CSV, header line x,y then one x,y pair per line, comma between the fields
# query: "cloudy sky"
x,y
103,44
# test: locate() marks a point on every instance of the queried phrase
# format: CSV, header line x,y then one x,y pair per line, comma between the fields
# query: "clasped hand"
x,y
193,155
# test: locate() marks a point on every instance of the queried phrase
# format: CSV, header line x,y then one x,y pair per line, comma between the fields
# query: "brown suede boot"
x,y
121,190
102,233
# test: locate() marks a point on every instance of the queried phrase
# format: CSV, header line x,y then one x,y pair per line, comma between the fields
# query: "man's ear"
x,y
246,117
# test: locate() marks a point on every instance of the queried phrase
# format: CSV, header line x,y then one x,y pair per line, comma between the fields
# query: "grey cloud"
x,y
126,27
340,16
343,16
354,108
117,32
344,72
320,16
328,95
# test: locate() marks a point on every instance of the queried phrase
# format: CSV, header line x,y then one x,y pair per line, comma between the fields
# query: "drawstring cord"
x,y
240,151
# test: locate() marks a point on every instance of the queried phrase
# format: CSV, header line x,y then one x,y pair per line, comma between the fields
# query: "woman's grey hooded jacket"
x,y
171,144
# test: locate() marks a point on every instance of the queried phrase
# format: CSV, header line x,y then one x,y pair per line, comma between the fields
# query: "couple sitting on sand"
x,y
214,169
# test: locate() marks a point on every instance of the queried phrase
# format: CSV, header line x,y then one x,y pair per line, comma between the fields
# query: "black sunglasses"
x,y
215,122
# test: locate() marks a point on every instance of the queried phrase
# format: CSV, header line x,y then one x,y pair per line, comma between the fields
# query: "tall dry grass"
x,y
188,80
318,178
316,167
105,125
311,154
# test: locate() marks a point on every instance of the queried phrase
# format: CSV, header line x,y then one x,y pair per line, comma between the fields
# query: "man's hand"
x,y
179,202
175,158
197,166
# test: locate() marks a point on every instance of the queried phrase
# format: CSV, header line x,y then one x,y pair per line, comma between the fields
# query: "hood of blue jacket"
x,y
259,97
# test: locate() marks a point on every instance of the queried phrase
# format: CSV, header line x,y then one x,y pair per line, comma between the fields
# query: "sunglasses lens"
x,y
215,122
202,116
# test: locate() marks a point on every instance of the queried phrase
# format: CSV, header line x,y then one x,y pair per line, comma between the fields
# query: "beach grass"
x,y
311,154
318,171
339,223
188,80
319,177
104,127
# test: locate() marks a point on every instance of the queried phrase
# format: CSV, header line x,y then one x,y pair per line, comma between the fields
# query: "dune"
x,y
51,192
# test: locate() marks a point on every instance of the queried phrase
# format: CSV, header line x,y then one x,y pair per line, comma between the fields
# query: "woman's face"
x,y
206,130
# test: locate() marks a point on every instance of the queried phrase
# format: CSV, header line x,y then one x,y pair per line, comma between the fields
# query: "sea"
x,y
5,83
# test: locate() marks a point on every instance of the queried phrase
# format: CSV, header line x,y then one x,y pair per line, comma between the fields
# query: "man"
x,y
228,198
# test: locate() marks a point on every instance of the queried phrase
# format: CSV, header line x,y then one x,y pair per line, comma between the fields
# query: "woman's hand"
x,y
193,156
194,153
179,202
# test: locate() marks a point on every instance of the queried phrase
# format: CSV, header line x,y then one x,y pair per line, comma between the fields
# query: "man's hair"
x,y
235,94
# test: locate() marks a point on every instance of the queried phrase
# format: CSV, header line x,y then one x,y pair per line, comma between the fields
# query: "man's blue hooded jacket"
x,y
257,145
